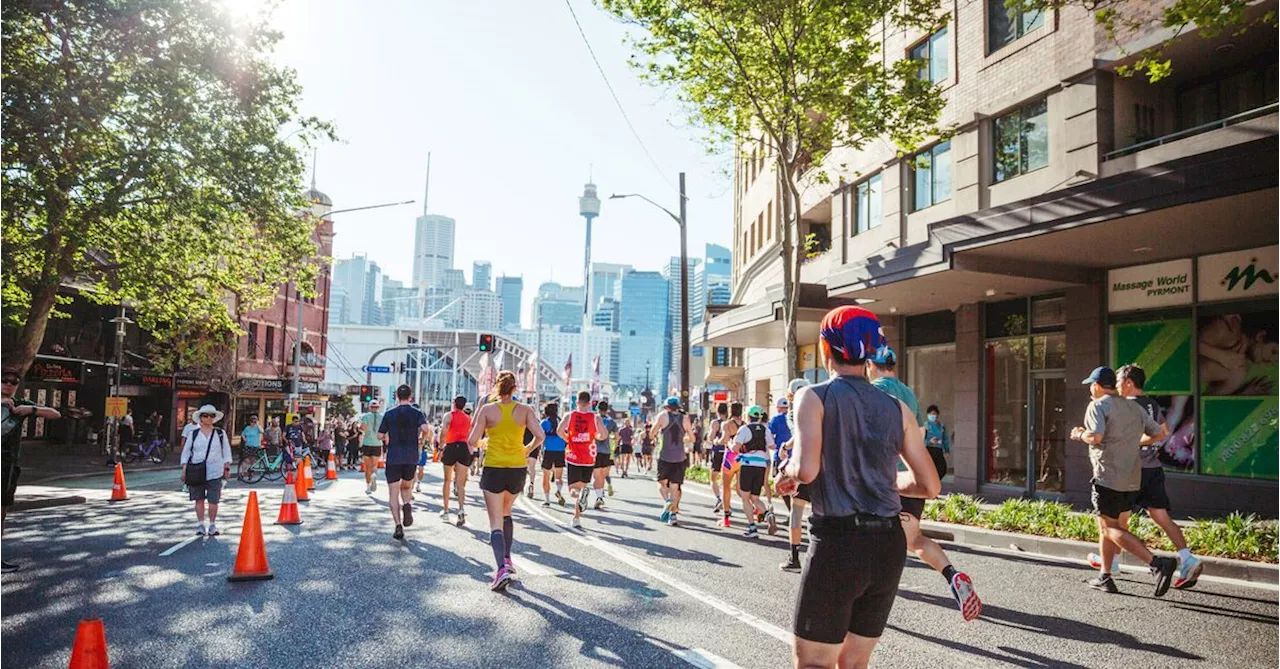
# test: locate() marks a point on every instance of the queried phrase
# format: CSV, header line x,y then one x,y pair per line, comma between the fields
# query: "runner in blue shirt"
x,y
781,431
552,454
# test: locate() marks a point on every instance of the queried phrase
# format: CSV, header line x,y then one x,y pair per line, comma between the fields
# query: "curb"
x,y
1239,570
49,502
107,471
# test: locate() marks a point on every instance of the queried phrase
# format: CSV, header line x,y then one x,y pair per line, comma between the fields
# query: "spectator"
x,y
206,445
15,414
936,439
273,434
252,436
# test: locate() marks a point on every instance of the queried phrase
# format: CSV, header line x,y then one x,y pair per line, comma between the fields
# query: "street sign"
x,y
375,369
117,407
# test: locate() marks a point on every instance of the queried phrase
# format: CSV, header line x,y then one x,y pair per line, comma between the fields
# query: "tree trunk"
x,y
790,221
23,352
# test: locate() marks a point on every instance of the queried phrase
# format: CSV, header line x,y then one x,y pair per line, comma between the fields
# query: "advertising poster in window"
x,y
1238,378
1161,348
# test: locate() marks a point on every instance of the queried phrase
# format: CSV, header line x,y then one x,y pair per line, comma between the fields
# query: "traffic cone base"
x,y
251,558
90,649
331,473
289,508
118,491
300,486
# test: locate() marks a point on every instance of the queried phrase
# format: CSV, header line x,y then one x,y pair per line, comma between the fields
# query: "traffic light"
x,y
366,394
485,343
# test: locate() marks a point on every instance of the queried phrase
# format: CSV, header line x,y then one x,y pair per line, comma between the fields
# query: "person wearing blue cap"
x,y
1113,429
883,372
673,430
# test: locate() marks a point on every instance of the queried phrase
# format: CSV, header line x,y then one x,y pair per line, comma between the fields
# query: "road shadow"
x,y
1015,657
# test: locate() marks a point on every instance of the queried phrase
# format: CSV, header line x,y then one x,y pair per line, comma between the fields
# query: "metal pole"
x,y
115,422
684,301
586,294
297,353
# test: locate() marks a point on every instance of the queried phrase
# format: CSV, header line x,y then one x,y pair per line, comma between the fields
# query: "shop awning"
x,y
760,324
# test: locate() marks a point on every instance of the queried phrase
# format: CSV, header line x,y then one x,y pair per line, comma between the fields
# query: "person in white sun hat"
x,y
206,462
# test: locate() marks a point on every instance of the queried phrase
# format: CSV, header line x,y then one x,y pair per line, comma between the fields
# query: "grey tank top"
x,y
673,439
861,443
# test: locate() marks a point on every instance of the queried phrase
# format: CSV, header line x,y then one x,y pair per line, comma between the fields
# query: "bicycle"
x,y
156,451
257,464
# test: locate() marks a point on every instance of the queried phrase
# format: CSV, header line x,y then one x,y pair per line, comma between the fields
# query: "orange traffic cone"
x,y
251,559
118,492
90,649
382,461
300,485
435,455
289,508
361,465
331,472
307,471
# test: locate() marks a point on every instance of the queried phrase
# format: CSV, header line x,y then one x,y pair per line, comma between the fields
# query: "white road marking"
x,y
704,659
178,546
644,567
524,565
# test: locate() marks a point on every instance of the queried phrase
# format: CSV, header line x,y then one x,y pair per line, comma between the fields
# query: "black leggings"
x,y
353,452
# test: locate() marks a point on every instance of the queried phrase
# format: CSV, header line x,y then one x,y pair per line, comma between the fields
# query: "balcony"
x,y
1236,129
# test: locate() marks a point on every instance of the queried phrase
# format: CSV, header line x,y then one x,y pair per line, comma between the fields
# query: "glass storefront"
x,y
931,361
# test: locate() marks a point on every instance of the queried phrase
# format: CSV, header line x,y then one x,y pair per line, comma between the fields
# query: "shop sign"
x,y
54,371
1239,274
143,379
1240,436
278,385
192,383
1162,284
807,357
117,407
1161,348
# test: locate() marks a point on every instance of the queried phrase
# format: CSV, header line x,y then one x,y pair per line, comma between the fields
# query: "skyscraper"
x,y
481,310
511,290
712,286
559,307
672,273
481,273
432,249
643,328
359,280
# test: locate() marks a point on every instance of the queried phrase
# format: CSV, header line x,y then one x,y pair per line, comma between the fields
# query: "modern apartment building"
x,y
1075,218
481,275
644,347
360,282
675,305
433,247
511,290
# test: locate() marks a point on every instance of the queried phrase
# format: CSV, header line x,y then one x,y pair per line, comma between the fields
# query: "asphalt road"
x,y
626,591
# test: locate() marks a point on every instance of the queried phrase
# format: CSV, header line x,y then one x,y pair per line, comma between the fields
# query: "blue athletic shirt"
x,y
402,426
553,443
781,434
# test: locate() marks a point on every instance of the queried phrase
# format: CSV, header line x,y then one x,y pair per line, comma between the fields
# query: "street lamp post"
x,y
682,221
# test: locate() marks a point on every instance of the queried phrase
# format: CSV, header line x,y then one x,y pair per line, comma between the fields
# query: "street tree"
x,y
152,156
797,79
1123,20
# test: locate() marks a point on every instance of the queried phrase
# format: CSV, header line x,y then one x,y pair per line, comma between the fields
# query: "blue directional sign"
x,y
375,369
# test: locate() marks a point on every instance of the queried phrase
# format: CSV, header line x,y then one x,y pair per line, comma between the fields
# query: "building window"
x,y
932,54
869,214
252,348
1022,140
931,176
1005,24
768,230
269,353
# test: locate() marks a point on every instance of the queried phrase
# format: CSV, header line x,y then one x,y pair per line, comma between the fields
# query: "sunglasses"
x,y
208,415
11,380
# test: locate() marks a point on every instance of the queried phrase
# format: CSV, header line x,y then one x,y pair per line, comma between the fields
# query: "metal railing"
x,y
1203,128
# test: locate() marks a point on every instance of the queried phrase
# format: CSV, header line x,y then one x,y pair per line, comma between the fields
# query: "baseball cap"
x,y
796,385
673,401
782,402
1103,376
755,412
853,332
885,356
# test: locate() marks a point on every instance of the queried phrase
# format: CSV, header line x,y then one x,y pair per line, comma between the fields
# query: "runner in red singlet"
x,y
456,458
579,430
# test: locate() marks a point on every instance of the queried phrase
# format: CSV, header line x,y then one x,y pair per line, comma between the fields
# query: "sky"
x,y
505,96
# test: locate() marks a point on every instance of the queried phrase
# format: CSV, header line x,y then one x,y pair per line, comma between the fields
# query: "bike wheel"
x,y
129,454
160,453
244,469
273,472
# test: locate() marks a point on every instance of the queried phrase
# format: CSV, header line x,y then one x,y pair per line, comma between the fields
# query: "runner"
x,y
1152,495
674,429
698,450
729,470
505,421
646,448
531,462
552,454
883,374
1113,429
795,503
456,459
717,452
477,455
604,454
579,430
16,412
403,430
371,445
751,446
626,439
848,438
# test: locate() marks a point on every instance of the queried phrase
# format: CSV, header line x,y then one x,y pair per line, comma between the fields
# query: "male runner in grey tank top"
x,y
849,438
672,428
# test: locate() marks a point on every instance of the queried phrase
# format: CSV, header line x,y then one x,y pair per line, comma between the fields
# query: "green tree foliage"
x,y
797,78
1124,20
147,158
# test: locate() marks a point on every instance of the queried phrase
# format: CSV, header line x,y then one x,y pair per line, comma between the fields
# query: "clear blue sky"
x,y
506,97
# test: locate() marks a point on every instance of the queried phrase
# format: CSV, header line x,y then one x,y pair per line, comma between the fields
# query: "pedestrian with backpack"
x,y
206,463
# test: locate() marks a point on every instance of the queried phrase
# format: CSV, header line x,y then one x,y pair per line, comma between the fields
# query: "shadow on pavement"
x,y
1016,657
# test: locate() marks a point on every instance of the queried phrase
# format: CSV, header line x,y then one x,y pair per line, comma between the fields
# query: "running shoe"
x,y
1104,583
719,506
373,485
559,498
666,512
599,503
1095,561
751,531
529,492
773,523
581,503
1163,569
966,596
368,490
546,503
444,515
406,512
790,565
213,530
462,519
200,530
609,487
399,533
1188,573
673,521
576,523
9,567
417,487
501,579
725,522
511,568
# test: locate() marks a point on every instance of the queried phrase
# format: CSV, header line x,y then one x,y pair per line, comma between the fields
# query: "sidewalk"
x,y
38,467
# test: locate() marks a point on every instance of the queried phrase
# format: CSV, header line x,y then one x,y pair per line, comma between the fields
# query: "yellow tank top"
x,y
506,441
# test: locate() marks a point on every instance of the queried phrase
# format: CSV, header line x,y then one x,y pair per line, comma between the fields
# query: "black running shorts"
x,y
579,474
503,479
717,459
626,449
672,472
401,472
1152,495
371,451
802,491
553,460
751,479
457,453
849,581
1113,503
913,506
603,459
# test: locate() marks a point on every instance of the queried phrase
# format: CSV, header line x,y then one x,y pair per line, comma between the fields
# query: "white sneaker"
x,y
444,515
213,530
200,530
1095,561
576,523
